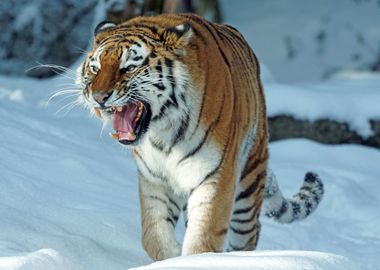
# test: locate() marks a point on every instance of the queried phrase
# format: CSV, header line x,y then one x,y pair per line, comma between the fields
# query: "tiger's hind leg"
x,y
160,210
245,225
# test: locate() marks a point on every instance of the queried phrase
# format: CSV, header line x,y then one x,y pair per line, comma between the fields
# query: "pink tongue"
x,y
123,122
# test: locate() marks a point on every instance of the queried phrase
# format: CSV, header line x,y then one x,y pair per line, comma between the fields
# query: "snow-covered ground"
x,y
69,200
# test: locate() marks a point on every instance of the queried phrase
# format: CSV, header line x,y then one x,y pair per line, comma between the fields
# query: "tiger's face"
x,y
131,77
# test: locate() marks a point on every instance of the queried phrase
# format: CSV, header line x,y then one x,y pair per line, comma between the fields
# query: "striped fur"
x,y
302,204
205,152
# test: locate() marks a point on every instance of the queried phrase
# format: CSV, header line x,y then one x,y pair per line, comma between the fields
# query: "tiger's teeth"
x,y
97,112
131,136
119,109
114,135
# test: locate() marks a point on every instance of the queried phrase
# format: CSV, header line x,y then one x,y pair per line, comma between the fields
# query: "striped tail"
x,y
304,202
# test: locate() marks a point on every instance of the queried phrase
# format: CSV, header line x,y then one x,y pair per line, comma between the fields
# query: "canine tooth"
x,y
131,135
114,135
97,112
119,109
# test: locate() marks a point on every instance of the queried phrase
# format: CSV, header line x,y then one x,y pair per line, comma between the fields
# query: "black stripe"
x,y
174,203
145,62
247,220
173,99
174,216
244,210
183,98
138,31
309,207
133,42
159,67
255,164
168,62
296,209
162,112
152,28
198,147
152,55
212,31
158,145
205,137
283,209
145,74
154,174
180,134
168,219
239,231
156,198
306,188
199,35
170,77
251,188
311,177
211,173
160,86
235,248
137,58
168,103
246,244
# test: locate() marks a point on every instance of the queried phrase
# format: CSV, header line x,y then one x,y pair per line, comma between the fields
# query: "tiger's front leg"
x,y
208,209
159,214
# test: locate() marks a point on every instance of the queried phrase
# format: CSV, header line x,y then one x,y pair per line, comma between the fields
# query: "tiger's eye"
x,y
129,68
94,69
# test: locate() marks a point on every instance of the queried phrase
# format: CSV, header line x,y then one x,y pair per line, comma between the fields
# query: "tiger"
x,y
185,96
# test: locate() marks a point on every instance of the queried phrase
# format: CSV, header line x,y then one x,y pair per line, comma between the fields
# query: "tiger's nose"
x,y
101,98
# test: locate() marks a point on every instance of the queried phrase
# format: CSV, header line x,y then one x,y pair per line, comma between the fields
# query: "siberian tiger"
x,y
185,96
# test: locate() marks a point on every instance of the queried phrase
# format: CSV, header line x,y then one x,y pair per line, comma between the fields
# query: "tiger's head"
x,y
134,73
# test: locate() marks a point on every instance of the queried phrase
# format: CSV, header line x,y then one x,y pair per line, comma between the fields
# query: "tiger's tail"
x,y
287,210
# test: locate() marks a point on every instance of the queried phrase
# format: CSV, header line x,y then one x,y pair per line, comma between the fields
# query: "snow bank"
x,y
257,260
354,101
44,259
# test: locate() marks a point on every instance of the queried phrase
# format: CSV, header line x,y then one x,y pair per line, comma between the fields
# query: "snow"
x,y
260,260
69,199
352,98
44,259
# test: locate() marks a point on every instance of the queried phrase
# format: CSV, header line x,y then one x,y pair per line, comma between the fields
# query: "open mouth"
x,y
129,121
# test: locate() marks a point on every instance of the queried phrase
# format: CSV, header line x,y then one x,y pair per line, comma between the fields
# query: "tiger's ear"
x,y
104,25
177,36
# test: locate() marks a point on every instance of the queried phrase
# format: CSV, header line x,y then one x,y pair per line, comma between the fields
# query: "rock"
x,y
323,130
43,32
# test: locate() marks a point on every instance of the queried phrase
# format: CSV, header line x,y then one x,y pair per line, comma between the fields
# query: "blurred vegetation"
x,y
123,10
59,31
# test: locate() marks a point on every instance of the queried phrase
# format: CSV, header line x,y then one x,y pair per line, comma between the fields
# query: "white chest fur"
x,y
182,175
